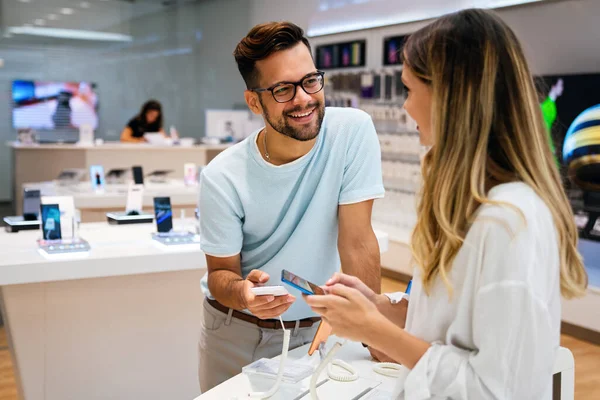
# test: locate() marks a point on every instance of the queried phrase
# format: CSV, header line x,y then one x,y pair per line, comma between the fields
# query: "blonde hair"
x,y
487,129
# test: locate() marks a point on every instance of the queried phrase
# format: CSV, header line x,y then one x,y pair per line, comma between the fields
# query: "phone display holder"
x,y
18,223
125,218
63,246
176,238
294,371
159,176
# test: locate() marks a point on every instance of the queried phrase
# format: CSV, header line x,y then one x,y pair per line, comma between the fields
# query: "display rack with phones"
x,y
381,94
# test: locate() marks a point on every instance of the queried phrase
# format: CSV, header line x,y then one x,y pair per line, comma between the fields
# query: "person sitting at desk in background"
x,y
149,120
297,194
495,243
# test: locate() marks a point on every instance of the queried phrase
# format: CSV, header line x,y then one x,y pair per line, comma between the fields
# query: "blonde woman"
x,y
495,244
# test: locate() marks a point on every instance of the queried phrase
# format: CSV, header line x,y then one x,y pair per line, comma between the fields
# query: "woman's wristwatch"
x,y
397,297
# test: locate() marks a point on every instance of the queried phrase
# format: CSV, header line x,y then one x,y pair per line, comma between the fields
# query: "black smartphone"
x,y
399,85
50,221
387,87
31,204
163,214
301,284
377,86
138,175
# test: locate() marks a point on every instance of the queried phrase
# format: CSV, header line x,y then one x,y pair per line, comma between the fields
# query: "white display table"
x,y
44,162
121,323
358,357
95,204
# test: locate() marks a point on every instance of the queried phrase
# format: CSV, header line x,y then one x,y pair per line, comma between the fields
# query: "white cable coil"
x,y
350,376
388,369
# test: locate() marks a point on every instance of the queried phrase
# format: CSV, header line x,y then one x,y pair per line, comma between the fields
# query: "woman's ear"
x,y
253,103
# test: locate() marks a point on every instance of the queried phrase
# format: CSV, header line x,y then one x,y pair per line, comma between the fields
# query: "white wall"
x,y
558,36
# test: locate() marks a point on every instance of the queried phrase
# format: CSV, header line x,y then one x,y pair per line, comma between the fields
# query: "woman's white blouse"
x,y
497,336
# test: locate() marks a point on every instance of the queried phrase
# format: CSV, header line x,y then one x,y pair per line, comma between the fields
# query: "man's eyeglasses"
x,y
285,91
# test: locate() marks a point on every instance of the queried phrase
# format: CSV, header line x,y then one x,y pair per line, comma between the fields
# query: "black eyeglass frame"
x,y
295,84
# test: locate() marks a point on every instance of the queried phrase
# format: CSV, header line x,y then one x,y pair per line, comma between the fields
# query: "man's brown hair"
x,y
262,41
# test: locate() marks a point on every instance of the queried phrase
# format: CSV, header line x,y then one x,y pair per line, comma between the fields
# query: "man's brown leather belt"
x,y
264,323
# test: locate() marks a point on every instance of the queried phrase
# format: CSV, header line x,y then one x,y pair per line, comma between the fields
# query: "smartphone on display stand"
x,y
163,214
97,177
31,204
50,222
138,175
301,284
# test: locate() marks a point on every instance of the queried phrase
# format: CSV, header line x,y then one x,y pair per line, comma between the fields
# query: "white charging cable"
x,y
282,360
350,376
388,369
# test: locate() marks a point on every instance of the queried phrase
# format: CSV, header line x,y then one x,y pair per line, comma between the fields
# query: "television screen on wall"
x,y
341,55
392,50
44,105
571,108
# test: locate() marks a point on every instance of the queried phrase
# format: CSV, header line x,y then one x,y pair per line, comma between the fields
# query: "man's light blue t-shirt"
x,y
286,217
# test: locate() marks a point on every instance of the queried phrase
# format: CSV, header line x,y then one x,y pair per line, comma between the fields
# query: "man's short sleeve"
x,y
362,172
220,218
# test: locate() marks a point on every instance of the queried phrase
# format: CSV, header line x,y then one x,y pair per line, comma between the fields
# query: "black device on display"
x,y
377,86
50,214
398,83
138,175
31,204
388,84
163,214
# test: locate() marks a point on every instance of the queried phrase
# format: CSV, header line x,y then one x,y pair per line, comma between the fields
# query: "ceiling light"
x,y
70,34
40,22
52,17
353,17
84,4
25,1
67,11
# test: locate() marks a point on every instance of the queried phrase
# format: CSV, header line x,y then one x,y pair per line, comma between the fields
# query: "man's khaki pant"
x,y
228,344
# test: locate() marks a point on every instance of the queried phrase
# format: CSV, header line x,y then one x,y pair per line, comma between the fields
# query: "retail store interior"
x,y
114,311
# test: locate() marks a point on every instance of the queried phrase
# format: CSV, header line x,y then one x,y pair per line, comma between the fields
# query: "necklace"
x,y
267,156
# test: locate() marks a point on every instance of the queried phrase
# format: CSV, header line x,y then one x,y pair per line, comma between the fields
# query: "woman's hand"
x,y
348,311
351,282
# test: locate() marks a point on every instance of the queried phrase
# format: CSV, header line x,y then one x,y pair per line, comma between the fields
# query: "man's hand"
x,y
266,306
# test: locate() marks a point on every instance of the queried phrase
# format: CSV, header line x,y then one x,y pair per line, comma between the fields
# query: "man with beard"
x,y
295,195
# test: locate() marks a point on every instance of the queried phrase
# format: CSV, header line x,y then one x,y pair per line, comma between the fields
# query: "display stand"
x,y
124,218
63,246
175,238
18,223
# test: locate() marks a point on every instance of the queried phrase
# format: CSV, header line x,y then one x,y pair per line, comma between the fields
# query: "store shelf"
x,y
409,158
395,233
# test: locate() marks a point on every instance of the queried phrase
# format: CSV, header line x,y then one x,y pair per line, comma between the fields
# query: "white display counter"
x,y
44,162
583,313
119,323
94,205
359,358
